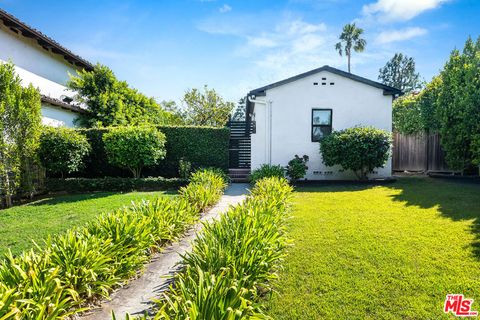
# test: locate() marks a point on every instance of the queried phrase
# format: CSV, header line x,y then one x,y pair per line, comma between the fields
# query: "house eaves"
x,y
63,105
44,41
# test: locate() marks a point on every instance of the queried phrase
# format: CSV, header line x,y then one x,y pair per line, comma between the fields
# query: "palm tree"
x,y
349,38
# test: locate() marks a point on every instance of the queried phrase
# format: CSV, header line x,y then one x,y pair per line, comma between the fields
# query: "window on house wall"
x,y
321,123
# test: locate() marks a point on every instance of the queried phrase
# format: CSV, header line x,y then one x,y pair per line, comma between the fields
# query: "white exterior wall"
x,y
57,117
46,71
353,104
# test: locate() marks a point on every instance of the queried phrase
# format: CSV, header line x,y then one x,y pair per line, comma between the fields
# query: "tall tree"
x,y
240,113
350,38
400,73
20,120
459,107
112,102
206,108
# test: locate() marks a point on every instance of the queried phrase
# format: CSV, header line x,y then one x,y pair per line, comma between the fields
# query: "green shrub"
x,y
266,171
78,267
133,148
205,188
184,168
62,150
297,167
234,260
202,146
72,185
360,149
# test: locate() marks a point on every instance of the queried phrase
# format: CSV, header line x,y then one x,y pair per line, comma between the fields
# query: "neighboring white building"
x,y
291,116
46,64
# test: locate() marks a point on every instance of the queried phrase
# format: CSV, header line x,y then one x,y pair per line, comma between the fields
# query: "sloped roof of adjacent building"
x,y
44,41
62,104
387,90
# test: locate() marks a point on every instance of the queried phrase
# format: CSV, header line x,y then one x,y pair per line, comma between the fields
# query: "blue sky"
x,y
164,47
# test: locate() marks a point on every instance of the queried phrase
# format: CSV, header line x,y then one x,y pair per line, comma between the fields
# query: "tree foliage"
x,y
112,102
417,112
297,167
400,73
450,105
62,150
360,149
205,108
240,113
459,106
133,148
350,38
20,120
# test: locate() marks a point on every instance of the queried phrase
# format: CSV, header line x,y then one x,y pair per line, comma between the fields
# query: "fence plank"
x,y
418,152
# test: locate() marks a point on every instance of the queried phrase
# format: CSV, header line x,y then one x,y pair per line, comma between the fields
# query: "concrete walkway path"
x,y
136,297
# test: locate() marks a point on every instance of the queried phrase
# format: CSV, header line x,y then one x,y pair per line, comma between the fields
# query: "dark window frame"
x,y
321,125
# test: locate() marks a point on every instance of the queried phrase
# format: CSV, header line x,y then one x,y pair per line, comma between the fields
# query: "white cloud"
x,y
261,42
225,8
271,52
399,35
299,27
394,10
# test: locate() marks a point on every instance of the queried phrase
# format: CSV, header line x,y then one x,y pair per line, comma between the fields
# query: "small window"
x,y
321,123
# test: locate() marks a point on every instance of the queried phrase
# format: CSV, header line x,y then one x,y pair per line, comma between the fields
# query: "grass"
x,y
380,252
35,221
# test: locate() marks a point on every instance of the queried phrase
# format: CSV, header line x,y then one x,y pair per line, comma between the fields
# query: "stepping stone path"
x,y
136,297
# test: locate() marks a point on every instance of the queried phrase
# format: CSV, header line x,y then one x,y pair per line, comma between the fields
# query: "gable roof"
x,y
387,90
45,42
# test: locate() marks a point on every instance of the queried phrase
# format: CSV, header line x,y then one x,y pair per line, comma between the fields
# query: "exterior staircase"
x,y
239,175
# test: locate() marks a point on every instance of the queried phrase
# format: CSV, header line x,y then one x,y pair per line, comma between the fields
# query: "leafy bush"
x,y
20,123
417,113
133,148
112,102
62,150
84,264
234,260
266,171
360,149
202,146
72,185
184,168
297,167
199,190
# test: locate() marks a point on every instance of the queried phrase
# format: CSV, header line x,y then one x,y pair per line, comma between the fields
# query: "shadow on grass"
x,y
69,198
455,199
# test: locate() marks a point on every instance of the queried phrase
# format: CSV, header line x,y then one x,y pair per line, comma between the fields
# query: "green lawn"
x,y
19,225
380,252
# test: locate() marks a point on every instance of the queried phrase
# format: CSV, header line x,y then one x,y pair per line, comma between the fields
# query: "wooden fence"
x,y
419,152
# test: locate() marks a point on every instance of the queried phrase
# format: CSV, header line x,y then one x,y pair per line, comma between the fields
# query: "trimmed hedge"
x,y
73,270
201,146
72,185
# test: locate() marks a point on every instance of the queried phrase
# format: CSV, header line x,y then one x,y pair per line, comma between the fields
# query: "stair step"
x,y
239,174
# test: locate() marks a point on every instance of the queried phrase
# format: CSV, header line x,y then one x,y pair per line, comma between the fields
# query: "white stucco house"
x,y
46,64
290,117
